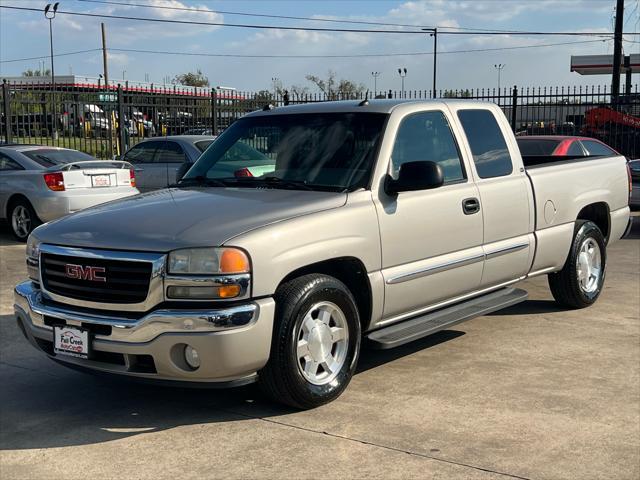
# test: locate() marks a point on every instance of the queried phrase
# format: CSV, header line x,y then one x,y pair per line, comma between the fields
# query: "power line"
x,y
48,56
312,29
361,55
284,17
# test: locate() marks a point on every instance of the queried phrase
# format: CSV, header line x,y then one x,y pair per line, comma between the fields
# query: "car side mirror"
x,y
182,170
412,176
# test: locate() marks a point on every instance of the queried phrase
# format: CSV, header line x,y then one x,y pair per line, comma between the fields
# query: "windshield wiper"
x,y
200,180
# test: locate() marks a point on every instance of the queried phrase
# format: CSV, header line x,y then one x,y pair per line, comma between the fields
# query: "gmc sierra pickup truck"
x,y
378,222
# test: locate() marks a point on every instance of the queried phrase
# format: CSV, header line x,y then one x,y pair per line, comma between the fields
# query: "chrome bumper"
x,y
233,342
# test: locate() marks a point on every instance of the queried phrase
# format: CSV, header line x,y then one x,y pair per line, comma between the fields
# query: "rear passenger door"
x,y
170,155
505,194
148,174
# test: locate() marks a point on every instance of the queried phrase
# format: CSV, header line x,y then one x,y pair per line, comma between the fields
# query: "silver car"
x,y
41,183
158,160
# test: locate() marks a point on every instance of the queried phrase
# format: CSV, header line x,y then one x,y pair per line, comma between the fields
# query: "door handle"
x,y
470,206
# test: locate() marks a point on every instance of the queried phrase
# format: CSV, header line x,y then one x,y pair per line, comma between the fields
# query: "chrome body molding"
x,y
241,279
422,272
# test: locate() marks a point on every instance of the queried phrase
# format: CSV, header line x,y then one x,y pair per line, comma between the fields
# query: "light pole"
x,y
403,73
50,14
375,76
434,34
499,67
274,81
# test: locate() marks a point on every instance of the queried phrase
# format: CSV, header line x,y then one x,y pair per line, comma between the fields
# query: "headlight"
x,y
33,258
208,261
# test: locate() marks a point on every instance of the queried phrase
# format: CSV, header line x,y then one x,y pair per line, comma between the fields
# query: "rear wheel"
x,y
580,281
316,342
22,219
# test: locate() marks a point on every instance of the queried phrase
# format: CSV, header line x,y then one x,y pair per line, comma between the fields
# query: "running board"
x,y
418,327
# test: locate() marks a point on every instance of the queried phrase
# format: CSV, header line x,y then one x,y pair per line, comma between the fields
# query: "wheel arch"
x,y
12,200
597,213
349,270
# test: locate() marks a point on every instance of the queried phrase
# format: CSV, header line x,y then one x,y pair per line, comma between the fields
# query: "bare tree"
x,y
334,88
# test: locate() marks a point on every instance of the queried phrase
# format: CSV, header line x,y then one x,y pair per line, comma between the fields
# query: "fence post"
x,y
214,113
6,109
122,124
514,108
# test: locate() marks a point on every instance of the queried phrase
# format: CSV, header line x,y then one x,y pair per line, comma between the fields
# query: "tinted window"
x,y
490,153
170,152
142,153
8,164
48,157
202,146
597,148
537,146
427,136
575,149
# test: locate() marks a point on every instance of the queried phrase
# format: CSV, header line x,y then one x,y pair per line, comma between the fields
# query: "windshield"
x,y
48,157
328,151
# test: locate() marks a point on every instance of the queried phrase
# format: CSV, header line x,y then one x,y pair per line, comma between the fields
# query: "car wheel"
x,y
580,281
23,219
315,343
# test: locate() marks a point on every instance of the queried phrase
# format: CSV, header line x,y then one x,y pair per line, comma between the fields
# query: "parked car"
x,y
382,221
40,183
634,170
157,160
198,131
556,145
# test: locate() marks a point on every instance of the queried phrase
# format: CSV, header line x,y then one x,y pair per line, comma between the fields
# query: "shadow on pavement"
x,y
530,307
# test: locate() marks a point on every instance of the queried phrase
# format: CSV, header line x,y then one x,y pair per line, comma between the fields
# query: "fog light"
x,y
191,357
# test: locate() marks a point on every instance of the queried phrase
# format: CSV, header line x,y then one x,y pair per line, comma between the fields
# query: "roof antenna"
x,y
365,102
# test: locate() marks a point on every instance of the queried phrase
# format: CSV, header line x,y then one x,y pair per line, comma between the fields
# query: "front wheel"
x,y
315,344
580,281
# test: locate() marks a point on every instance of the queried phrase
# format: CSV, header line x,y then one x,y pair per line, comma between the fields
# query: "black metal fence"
x,y
105,121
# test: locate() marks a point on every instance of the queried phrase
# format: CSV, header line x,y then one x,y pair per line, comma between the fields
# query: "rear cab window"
x,y
594,148
537,146
488,146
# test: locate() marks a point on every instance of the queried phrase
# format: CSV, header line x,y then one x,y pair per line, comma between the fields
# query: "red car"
x,y
558,145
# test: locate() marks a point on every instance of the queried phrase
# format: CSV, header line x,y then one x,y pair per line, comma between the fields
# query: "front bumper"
x,y
233,342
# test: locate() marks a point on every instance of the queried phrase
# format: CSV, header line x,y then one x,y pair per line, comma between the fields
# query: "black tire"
x,y
282,379
564,284
19,230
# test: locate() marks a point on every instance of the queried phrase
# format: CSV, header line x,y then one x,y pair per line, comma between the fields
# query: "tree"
x,y
334,88
192,79
36,73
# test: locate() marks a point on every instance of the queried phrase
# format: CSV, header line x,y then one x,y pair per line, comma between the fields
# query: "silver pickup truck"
x,y
378,222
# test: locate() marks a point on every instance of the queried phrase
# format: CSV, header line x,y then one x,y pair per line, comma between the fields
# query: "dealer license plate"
x,y
100,181
71,341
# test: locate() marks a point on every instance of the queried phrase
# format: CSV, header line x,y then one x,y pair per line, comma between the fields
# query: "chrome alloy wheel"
x,y
589,269
21,221
322,343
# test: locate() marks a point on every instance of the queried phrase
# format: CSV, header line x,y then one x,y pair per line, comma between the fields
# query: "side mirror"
x,y
415,176
182,170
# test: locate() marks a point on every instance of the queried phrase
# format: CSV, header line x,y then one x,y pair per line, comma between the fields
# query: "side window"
x,y
170,152
427,136
575,149
8,164
142,153
489,149
597,148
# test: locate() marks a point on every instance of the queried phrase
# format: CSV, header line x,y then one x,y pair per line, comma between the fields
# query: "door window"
x,y
142,153
426,136
596,148
490,153
170,152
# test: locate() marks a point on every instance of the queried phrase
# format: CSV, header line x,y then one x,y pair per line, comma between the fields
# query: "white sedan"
x,y
41,183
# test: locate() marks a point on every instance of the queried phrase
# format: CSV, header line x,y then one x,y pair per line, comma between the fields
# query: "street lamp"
x,y
499,67
50,14
375,76
403,73
274,82
434,34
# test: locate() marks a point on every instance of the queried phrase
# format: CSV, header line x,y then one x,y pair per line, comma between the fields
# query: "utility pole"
x,y
375,76
434,34
499,67
617,51
50,14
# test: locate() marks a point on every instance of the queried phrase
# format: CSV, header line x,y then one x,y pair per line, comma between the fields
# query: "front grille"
x,y
126,281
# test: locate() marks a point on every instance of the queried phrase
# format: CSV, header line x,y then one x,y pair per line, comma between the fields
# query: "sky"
x,y
25,34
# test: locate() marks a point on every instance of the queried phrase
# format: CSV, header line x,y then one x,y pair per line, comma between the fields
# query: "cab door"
x,y
431,239
141,156
505,193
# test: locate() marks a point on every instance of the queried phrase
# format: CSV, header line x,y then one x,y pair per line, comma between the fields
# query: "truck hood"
x,y
177,218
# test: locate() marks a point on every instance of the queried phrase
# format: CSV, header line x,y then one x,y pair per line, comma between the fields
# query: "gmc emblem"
x,y
79,272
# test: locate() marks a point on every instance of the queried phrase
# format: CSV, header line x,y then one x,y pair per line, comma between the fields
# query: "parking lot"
x,y
529,392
